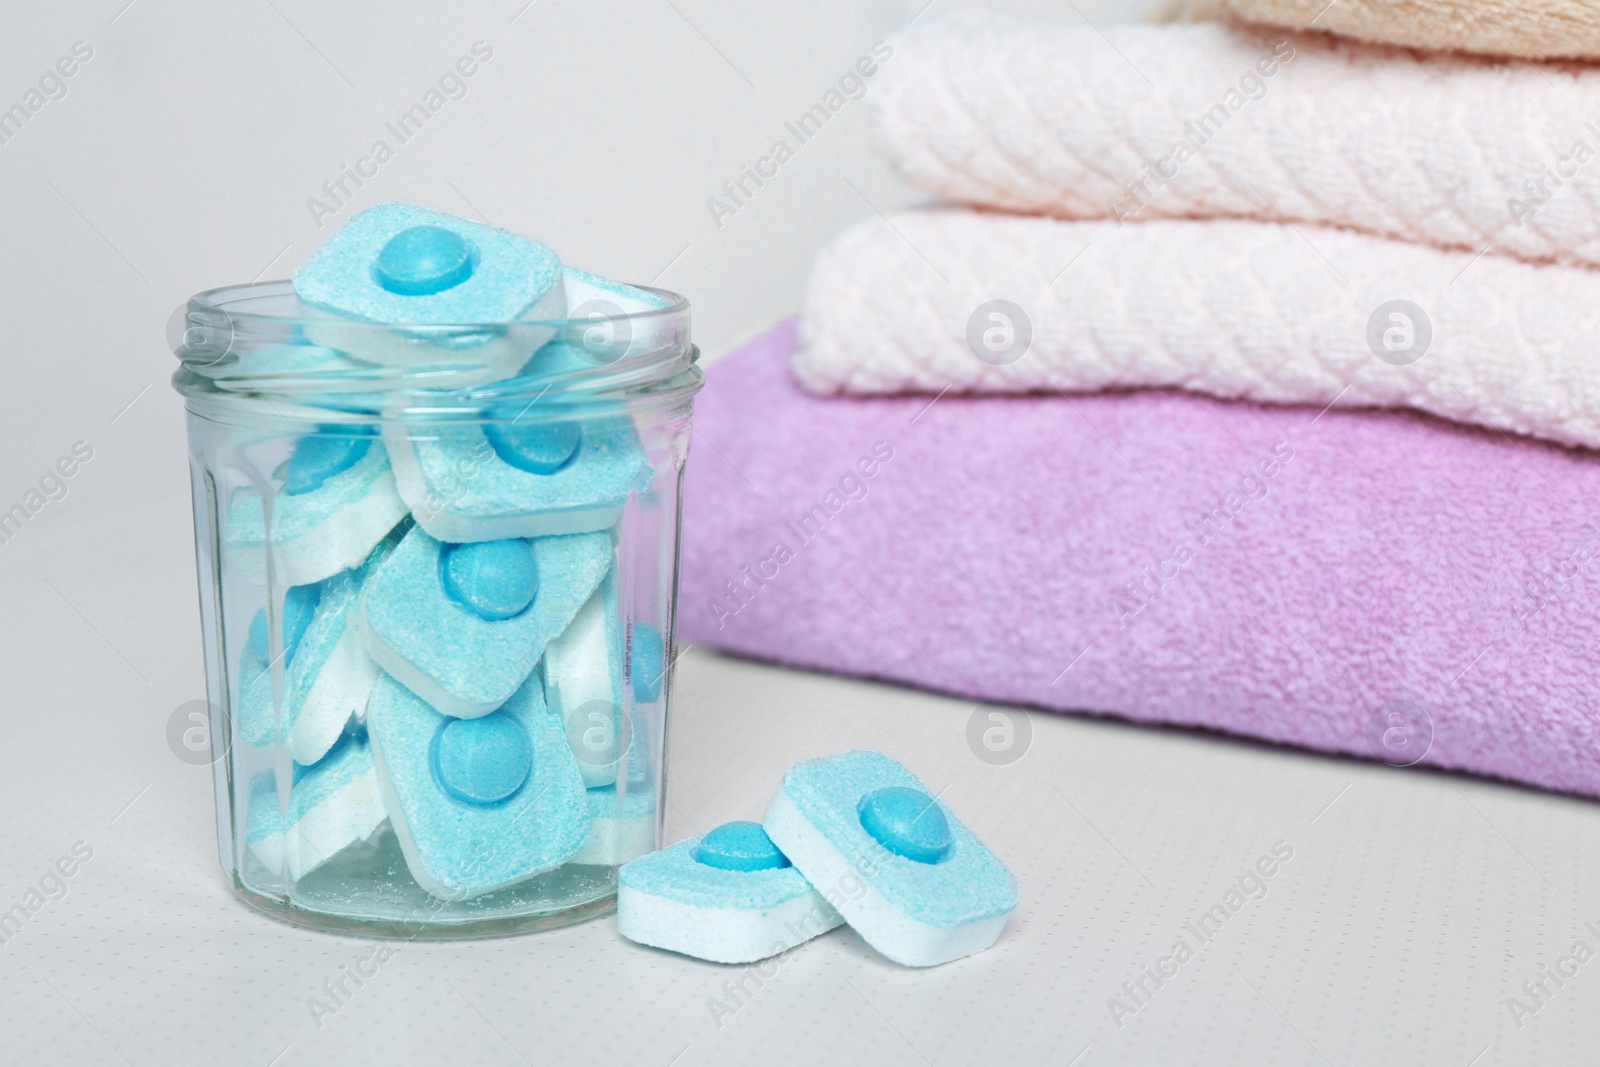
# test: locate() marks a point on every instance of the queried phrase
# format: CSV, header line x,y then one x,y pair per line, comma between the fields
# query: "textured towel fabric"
x,y
1208,120
1027,550
1531,29
1260,311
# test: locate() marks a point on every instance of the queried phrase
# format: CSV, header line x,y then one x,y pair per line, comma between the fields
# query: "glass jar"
x,y
437,574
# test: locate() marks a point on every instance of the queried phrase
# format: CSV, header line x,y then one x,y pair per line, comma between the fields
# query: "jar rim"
x,y
223,299
243,343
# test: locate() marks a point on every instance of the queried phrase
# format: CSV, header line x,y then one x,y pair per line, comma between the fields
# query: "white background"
x,y
182,158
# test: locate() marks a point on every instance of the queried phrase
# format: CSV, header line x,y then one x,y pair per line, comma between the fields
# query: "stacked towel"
x,y
1468,189
1267,571
1215,121
1149,233
1231,309
1529,29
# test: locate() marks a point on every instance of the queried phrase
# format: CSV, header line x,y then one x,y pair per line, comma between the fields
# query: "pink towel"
x,y
1272,572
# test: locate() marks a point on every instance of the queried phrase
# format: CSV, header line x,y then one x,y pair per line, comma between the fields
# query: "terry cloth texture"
x,y
1531,29
1216,121
1164,557
1238,310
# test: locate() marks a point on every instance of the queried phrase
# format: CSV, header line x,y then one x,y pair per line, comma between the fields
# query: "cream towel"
x,y
1531,29
1209,120
1233,309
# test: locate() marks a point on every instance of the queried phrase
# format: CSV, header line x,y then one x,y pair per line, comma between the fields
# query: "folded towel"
x,y
1262,311
1530,29
1158,556
1203,121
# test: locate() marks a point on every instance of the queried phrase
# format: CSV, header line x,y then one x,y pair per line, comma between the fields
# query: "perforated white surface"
x,y
1414,905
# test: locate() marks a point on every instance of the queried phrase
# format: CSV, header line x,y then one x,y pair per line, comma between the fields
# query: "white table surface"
x,y
1414,906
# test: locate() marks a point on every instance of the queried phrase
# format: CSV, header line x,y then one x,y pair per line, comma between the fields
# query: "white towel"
x,y
1262,311
1207,120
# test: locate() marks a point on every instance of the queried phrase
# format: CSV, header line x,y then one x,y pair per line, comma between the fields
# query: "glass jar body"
x,y
438,633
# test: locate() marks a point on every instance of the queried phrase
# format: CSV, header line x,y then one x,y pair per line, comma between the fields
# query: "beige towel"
x,y
1533,29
